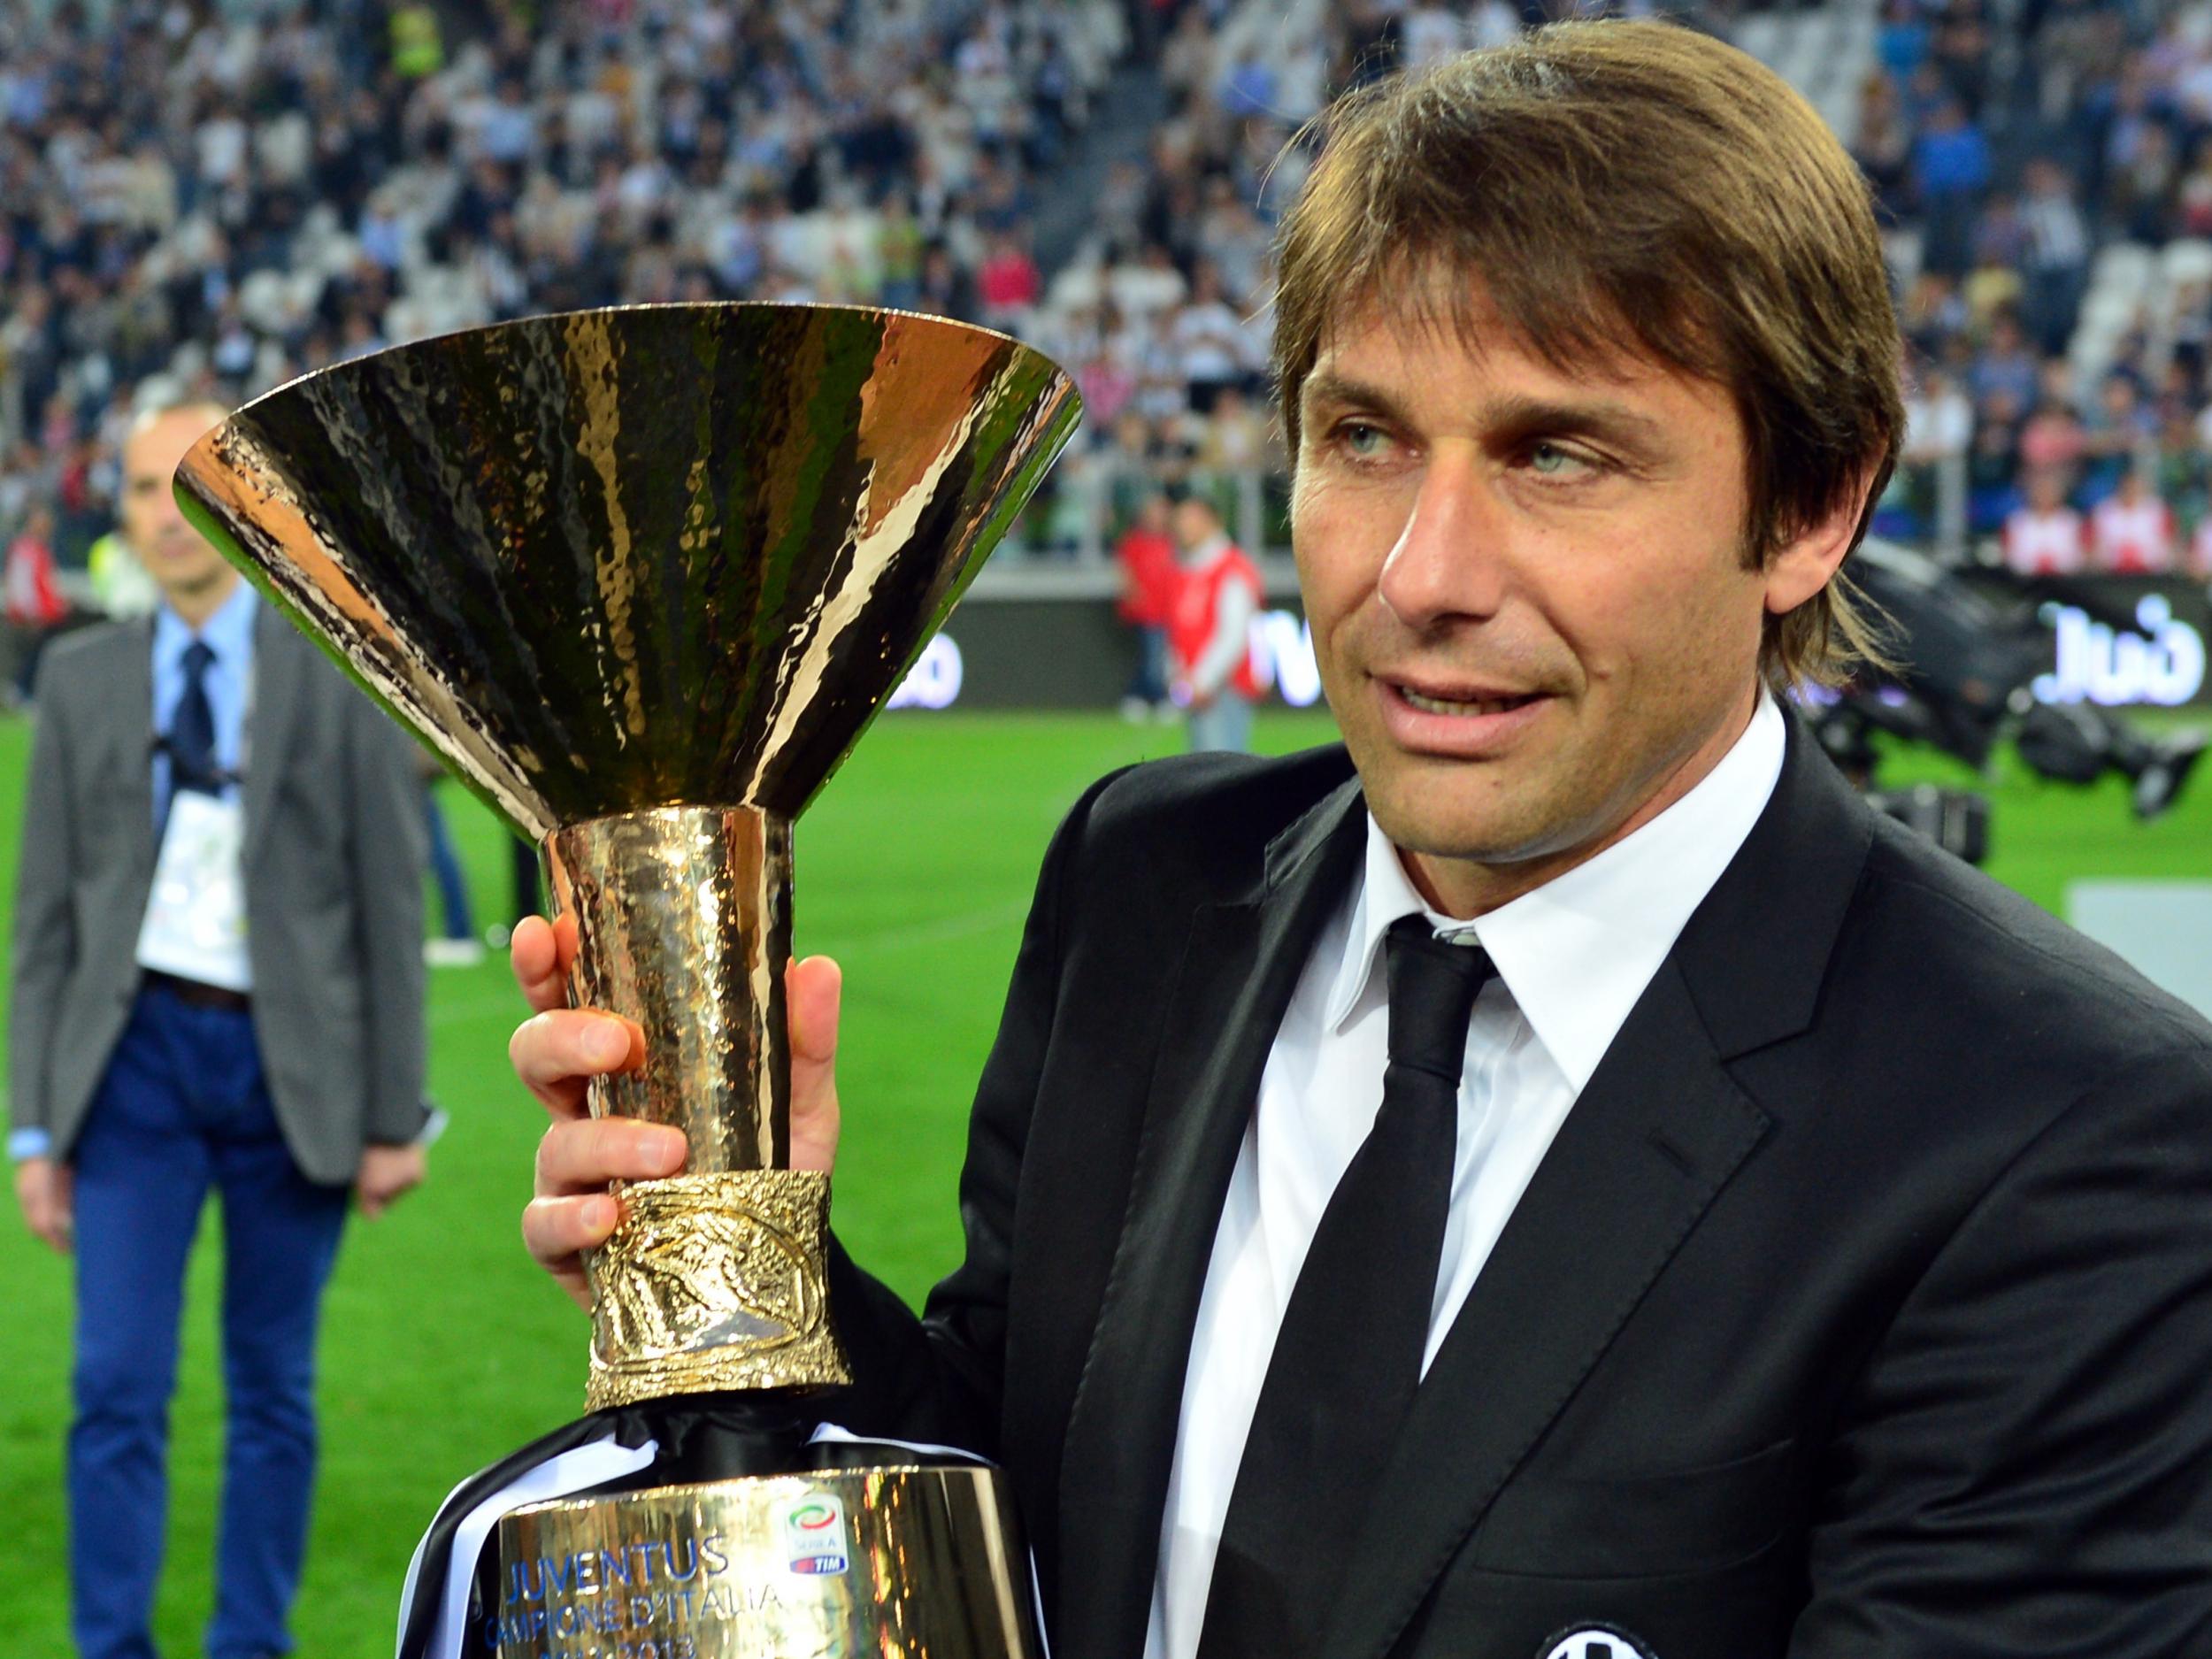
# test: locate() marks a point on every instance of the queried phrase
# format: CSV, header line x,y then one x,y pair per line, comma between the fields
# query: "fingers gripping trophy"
x,y
641,577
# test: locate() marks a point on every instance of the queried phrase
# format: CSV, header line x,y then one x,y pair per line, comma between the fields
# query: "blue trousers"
x,y
445,864
1224,724
1148,683
182,1108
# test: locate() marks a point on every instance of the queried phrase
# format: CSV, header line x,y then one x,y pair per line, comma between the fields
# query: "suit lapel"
x,y
130,734
1650,1145
279,662
1240,964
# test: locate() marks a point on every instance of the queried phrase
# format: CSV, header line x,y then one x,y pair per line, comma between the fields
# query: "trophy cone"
x,y
632,559
641,577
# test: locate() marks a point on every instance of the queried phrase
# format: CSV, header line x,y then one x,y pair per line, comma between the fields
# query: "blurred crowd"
x,y
218,196
1163,316
206,198
2049,185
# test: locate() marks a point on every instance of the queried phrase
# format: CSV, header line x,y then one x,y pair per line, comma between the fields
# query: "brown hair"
x,y
1628,189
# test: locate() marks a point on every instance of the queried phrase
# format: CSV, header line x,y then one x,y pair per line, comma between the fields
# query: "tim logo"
x,y
814,1535
1596,1641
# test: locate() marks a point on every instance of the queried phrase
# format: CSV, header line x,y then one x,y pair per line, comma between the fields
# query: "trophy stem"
x,y
683,923
717,1277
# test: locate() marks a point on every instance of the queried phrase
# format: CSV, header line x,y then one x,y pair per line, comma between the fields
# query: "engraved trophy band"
x,y
890,1560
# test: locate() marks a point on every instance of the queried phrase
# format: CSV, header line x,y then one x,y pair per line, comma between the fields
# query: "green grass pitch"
x,y
443,1347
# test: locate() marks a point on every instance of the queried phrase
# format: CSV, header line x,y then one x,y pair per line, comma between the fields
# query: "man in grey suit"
x,y
218,984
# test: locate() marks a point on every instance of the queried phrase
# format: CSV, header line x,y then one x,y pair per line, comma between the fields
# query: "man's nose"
x,y
1449,560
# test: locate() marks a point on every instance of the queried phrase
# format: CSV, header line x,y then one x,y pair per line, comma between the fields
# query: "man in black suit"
x,y
1813,1254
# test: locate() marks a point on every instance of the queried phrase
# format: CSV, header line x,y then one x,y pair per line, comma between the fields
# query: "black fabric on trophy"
x,y
1348,1358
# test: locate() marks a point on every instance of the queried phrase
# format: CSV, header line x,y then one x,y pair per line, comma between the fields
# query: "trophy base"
x,y
915,1560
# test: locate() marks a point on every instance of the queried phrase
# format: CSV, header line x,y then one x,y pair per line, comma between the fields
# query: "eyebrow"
x,y
1326,386
1512,418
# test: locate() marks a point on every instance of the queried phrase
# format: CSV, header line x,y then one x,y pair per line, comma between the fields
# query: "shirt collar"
x,y
1576,952
228,633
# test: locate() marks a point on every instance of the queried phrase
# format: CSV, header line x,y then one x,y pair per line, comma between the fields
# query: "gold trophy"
x,y
641,577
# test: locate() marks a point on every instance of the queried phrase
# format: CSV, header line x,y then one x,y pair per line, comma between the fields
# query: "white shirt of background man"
x,y
1573,958
2046,543
2131,538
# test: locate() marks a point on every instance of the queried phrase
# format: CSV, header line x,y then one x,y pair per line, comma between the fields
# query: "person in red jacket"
x,y
35,605
1149,581
1210,635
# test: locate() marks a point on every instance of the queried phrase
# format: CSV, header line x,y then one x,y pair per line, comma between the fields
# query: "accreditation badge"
x,y
196,918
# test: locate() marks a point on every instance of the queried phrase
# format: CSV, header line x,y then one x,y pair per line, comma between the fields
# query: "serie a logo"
x,y
814,1535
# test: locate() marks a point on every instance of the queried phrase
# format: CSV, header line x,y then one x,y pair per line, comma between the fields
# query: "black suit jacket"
x,y
1862,1305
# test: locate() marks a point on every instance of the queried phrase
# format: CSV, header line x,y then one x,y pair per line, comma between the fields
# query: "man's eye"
x,y
1361,439
1548,460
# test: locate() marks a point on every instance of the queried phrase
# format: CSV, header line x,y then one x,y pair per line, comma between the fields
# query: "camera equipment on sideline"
x,y
1967,660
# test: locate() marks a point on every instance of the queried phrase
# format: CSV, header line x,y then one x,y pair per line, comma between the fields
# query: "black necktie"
x,y
192,729
1348,1356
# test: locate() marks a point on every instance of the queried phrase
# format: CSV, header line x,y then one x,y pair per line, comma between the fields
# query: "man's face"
x,y
176,556
1193,523
1527,594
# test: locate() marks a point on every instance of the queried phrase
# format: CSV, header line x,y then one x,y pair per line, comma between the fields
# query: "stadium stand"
x,y
208,198
213,199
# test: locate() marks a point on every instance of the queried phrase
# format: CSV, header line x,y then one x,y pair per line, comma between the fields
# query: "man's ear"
x,y
1804,564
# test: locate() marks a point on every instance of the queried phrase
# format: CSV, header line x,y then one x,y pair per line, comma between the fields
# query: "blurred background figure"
x,y
35,608
2043,535
217,987
2131,532
455,944
121,590
1149,581
1210,633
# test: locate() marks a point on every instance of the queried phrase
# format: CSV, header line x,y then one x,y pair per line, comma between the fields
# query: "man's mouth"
x,y
1467,705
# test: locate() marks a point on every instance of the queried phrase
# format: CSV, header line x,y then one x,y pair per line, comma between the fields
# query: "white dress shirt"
x,y
1573,958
